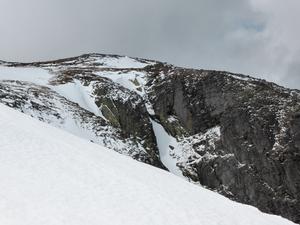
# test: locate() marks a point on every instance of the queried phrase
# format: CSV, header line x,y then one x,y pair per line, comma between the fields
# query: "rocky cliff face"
x,y
256,158
231,133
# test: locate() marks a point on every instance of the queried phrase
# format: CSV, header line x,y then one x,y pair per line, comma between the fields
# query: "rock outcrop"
x,y
256,160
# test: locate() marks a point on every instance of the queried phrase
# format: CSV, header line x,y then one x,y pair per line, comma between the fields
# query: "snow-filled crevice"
x,y
166,145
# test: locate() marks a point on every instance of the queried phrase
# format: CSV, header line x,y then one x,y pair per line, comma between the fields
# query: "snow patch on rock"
x,y
80,94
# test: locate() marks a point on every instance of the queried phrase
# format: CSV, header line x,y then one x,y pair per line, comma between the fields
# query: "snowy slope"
x,y
29,74
51,177
70,106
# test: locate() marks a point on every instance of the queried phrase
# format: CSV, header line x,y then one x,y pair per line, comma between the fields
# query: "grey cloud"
x,y
229,35
292,77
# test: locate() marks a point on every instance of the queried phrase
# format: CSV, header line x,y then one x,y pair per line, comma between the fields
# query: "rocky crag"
x,y
231,133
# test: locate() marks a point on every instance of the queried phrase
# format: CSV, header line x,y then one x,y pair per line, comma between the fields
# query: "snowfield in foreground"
x,y
49,176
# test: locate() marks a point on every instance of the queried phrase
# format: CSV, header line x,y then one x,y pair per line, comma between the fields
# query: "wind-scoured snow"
x,y
29,74
133,80
121,62
51,177
82,95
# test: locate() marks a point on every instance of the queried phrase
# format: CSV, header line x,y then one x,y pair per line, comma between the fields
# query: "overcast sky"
x,y
255,37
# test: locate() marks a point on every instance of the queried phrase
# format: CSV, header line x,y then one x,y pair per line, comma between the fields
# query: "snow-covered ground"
x,y
133,80
74,91
49,176
120,62
29,74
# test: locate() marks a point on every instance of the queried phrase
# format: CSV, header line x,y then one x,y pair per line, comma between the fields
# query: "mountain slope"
x,y
228,132
67,97
49,176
